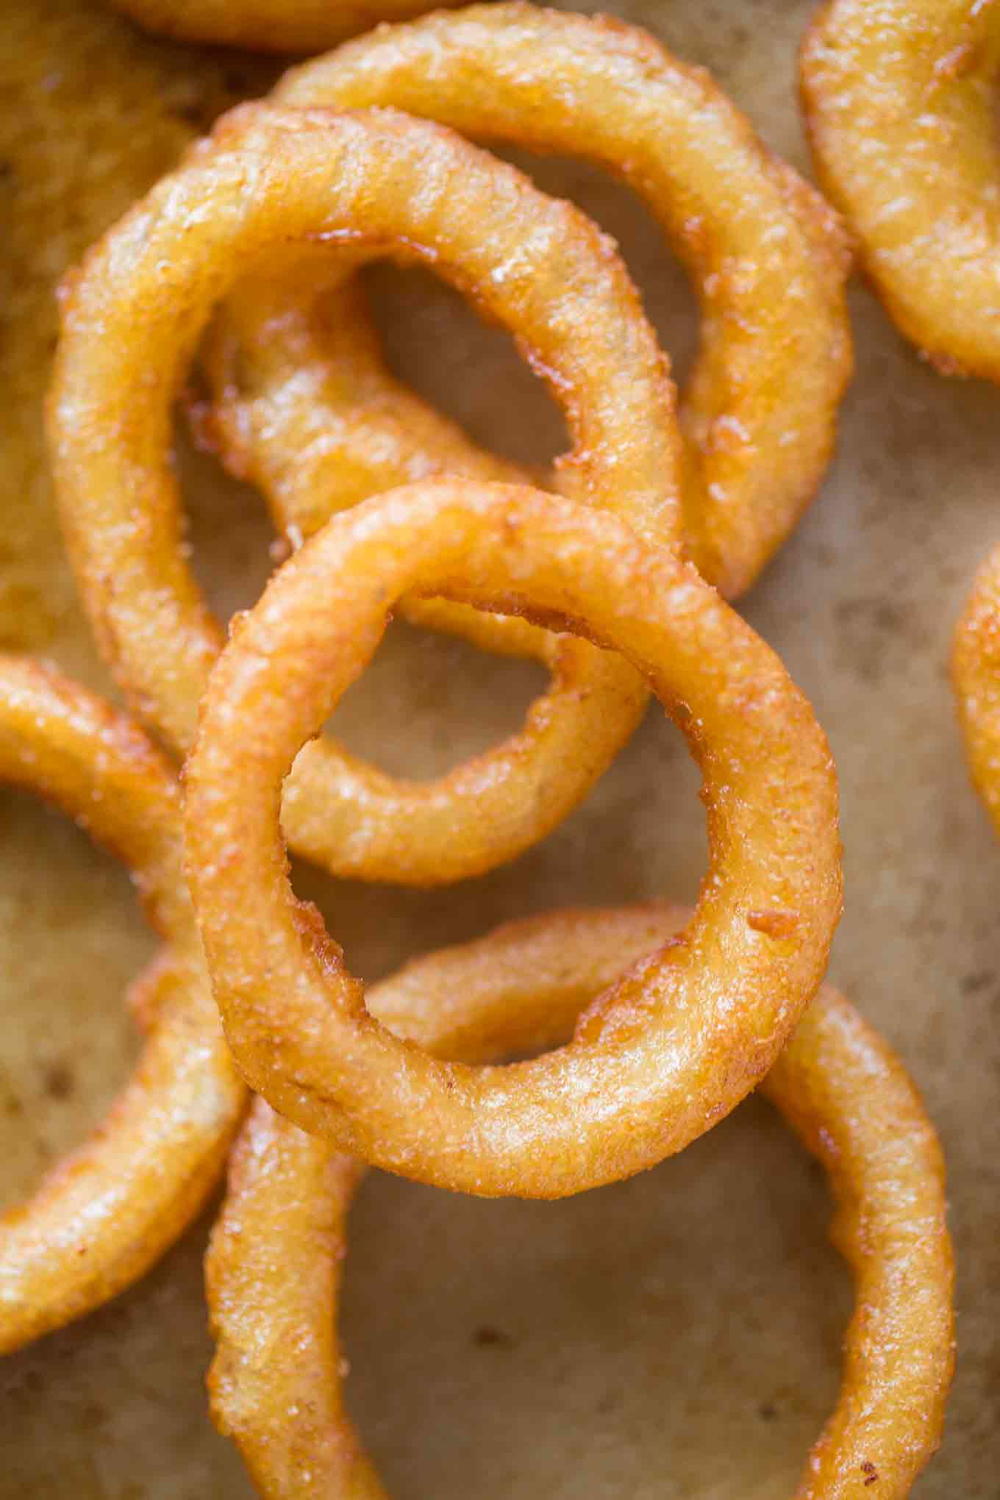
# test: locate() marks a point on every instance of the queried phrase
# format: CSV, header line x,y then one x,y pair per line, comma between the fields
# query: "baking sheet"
x,y
673,1336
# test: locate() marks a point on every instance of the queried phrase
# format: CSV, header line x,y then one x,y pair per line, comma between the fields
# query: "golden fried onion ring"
x,y
109,1209
304,404
975,671
305,409
267,25
843,1091
900,103
266,181
680,1040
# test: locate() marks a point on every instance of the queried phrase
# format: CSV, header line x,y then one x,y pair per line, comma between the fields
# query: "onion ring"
x,y
305,407
318,433
109,1209
844,1092
267,25
268,180
975,670
899,101
676,1044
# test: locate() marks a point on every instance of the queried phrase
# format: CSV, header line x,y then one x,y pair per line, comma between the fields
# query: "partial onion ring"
x,y
271,180
305,407
267,25
975,671
108,1210
844,1092
679,1040
900,103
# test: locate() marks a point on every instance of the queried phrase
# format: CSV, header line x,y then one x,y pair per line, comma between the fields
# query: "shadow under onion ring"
x,y
107,1211
275,183
678,1041
839,1086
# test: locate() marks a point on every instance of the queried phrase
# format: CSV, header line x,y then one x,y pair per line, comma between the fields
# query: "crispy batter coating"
x,y
306,408
108,1210
899,99
683,1037
268,180
843,1091
975,672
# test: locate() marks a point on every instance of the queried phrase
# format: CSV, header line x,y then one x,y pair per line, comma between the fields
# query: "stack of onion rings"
x,y
680,1040
645,1026
305,407
845,1094
106,1213
267,181
899,100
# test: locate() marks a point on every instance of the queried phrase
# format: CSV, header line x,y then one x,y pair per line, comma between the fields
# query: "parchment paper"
x,y
675,1336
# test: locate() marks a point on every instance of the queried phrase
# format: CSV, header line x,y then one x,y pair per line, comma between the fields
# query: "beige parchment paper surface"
x,y
674,1336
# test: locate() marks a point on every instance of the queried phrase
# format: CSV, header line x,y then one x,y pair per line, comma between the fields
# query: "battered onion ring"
x,y
328,426
320,434
306,408
679,1041
899,100
975,669
266,181
845,1094
111,1208
267,25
